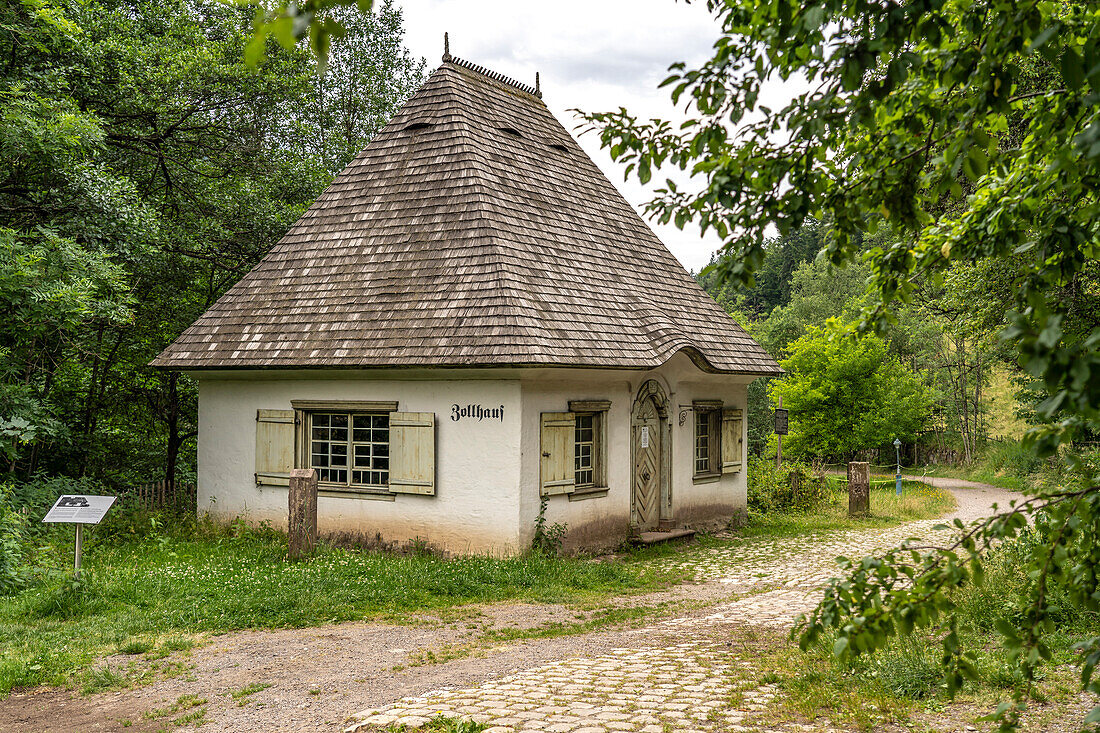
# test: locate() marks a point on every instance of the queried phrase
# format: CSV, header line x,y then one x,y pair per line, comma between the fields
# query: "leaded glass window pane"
x,y
350,449
703,440
584,451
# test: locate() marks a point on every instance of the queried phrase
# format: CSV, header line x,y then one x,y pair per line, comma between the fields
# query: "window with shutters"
x,y
589,445
573,450
360,447
708,451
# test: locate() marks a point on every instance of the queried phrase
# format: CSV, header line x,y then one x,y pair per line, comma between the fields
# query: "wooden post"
x,y
303,512
859,488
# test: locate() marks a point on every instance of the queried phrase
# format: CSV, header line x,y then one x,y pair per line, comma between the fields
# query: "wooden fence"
x,y
163,495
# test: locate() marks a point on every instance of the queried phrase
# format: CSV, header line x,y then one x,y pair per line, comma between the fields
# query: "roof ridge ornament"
x,y
538,89
446,47
495,75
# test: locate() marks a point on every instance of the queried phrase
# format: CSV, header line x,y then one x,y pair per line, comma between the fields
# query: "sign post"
x,y
79,509
897,450
780,430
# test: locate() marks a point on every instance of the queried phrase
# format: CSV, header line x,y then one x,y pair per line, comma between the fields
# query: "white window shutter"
x,y
732,442
557,469
412,453
274,447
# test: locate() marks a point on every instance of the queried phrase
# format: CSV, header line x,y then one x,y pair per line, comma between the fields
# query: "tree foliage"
x,y
772,282
290,21
147,168
845,396
971,130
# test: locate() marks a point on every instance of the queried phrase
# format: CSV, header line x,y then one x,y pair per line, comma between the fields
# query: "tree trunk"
x,y
171,418
960,345
979,427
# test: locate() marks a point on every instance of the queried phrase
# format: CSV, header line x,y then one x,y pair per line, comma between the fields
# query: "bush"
x,y
909,669
771,489
14,541
845,396
37,495
1012,459
27,552
547,539
1008,589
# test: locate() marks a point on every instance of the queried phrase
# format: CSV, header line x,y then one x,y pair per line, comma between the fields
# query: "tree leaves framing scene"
x,y
942,146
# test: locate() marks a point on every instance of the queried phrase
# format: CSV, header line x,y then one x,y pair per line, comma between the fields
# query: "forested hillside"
x,y
146,168
940,378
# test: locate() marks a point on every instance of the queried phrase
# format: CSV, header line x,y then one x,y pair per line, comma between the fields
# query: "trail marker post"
x,y
302,535
79,509
859,489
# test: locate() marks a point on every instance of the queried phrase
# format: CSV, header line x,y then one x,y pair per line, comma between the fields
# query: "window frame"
x,y
708,412
593,467
350,445
305,410
597,410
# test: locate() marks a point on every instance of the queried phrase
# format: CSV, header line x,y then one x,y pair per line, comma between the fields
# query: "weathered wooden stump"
x,y
859,488
303,512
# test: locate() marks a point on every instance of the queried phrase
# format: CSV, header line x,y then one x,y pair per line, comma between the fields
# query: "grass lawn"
x,y
150,596
918,501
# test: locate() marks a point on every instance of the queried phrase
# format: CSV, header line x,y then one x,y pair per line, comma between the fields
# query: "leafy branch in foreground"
x,y
910,588
970,131
289,21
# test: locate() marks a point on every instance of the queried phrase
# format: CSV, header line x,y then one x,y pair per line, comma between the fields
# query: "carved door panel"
x,y
647,466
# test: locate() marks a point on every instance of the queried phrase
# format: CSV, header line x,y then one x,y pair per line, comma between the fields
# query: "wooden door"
x,y
647,466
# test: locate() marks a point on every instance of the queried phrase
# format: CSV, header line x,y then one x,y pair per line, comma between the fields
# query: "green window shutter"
x,y
557,470
412,453
274,447
732,442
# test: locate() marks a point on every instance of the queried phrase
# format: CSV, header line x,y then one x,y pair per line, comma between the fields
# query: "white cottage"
x,y
469,319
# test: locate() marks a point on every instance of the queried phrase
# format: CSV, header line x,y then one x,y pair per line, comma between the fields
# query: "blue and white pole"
x,y
897,450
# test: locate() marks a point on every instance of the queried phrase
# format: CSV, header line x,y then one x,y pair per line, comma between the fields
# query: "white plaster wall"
x,y
596,520
604,521
476,505
708,503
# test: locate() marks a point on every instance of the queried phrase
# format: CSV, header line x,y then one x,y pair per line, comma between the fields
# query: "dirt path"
x,y
682,668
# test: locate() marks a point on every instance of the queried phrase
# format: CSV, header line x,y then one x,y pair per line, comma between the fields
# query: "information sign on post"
x,y
780,421
79,509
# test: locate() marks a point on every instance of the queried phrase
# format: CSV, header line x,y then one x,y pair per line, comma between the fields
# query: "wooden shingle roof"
x,y
472,231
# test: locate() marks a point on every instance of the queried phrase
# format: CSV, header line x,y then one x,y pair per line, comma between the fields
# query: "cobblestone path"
x,y
696,684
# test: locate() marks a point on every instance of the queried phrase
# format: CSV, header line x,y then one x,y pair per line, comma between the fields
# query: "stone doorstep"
x,y
653,538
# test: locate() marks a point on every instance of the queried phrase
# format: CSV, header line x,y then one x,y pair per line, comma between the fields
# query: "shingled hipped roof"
x,y
472,231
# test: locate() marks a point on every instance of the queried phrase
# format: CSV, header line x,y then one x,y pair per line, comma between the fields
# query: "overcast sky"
x,y
594,55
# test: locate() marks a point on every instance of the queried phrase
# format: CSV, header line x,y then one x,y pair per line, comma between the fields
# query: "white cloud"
x,y
593,55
